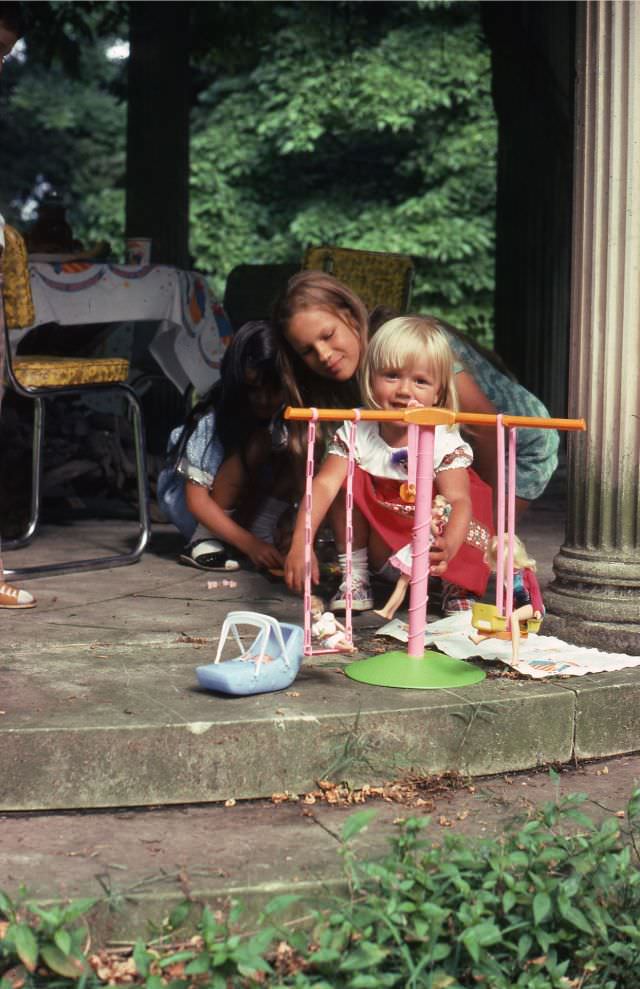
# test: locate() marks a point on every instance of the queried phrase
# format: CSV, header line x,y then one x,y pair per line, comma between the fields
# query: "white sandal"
x,y
11,597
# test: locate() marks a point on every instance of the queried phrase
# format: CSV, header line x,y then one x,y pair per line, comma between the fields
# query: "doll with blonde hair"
x,y
527,598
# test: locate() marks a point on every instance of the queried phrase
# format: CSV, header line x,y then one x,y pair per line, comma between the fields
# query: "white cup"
x,y
138,250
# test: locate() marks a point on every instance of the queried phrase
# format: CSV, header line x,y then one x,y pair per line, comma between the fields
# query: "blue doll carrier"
x,y
271,662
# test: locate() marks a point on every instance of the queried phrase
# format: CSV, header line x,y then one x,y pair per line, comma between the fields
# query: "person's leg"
x,y
361,588
10,596
337,515
241,485
205,550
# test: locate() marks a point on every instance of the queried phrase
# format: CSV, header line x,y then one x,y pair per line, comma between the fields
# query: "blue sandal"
x,y
271,662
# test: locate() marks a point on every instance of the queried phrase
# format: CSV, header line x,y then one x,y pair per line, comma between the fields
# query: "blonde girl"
x,y
408,362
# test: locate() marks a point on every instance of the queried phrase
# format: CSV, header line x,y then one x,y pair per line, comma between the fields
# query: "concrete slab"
x,y
99,703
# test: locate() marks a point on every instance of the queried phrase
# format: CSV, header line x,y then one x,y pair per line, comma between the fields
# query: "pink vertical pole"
x,y
348,623
500,518
412,452
419,594
307,649
511,518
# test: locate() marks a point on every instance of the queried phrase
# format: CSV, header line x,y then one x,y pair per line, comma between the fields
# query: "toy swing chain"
x,y
504,601
349,529
511,519
311,440
501,515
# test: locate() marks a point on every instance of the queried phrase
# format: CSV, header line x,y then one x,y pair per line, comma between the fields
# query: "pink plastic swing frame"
x,y
419,596
308,649
504,601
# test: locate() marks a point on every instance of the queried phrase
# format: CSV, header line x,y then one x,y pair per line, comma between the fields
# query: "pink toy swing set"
x,y
416,668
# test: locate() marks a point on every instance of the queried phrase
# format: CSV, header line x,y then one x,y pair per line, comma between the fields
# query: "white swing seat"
x,y
272,661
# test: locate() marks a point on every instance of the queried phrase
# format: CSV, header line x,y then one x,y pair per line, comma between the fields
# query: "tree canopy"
x,y
361,124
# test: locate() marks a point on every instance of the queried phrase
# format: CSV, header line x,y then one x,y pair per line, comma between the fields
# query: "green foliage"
x,y
367,125
365,129
52,939
69,131
552,905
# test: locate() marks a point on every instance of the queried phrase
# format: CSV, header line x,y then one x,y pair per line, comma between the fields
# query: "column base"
x,y
595,600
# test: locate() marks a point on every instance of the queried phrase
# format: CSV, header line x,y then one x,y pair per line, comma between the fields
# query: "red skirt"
x,y
378,498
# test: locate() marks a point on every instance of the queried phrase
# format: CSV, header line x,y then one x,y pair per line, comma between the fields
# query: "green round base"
x,y
432,671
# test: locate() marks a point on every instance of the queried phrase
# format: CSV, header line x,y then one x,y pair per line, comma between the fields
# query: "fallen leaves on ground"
x,y
197,640
116,967
412,791
112,968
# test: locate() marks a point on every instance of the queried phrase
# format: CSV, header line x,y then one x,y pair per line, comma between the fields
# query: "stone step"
x,y
109,725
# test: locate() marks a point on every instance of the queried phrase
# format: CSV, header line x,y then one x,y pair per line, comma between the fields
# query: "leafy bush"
x,y
366,129
552,905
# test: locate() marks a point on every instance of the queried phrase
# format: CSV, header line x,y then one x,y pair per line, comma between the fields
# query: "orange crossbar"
x,y
439,415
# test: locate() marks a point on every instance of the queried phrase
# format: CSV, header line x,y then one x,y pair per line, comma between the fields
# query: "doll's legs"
x,y
396,599
517,616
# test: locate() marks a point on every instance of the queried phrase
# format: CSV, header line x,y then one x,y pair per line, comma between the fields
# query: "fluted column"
x,y
596,591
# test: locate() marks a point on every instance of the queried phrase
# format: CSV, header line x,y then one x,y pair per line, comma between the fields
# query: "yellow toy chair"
x,y
487,620
38,378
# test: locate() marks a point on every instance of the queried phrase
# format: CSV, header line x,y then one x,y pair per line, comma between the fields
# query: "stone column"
x,y
595,597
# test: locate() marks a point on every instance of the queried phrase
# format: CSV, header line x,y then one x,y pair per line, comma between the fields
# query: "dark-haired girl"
x,y
236,422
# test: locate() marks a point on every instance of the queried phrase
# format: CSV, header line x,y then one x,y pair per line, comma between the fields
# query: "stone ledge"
x,y
82,733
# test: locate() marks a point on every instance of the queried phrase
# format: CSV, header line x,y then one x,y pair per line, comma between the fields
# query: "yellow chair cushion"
x,y
378,278
57,372
18,303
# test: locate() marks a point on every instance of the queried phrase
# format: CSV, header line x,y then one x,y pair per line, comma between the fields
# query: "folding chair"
x,y
39,378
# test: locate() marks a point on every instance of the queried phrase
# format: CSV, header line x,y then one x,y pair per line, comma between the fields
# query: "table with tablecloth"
x,y
192,329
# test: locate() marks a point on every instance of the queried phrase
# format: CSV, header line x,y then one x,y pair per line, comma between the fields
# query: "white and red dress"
x,y
380,482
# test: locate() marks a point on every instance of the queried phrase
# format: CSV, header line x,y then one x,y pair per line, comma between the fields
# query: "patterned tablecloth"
x,y
193,328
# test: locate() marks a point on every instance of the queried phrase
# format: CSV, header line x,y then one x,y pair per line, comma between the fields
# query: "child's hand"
x,y
294,570
439,556
264,555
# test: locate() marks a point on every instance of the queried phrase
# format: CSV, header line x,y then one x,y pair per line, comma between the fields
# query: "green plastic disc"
x,y
432,671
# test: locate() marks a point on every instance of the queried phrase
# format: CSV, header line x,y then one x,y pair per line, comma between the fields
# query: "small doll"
x,y
440,512
327,629
527,599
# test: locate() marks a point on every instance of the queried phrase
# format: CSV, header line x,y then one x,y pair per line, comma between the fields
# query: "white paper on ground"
x,y
540,655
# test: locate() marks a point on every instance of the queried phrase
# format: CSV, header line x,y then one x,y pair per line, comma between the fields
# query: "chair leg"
x,y
36,479
142,477
119,559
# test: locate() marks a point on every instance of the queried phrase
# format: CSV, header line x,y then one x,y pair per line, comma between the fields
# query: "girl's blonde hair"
x,y
521,558
405,342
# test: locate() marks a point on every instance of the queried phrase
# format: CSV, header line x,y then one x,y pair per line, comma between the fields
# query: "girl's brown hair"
x,y
316,290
